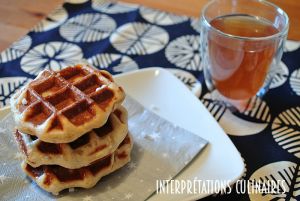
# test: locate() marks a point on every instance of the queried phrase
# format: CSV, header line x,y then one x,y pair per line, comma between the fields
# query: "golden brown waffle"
x,y
83,151
59,107
53,178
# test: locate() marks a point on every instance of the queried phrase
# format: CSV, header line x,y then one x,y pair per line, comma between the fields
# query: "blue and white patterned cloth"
x,y
121,37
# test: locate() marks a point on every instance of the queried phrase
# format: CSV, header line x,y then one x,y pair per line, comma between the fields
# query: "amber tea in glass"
x,y
240,41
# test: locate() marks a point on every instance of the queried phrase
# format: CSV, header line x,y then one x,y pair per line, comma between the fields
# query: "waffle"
x,y
53,178
90,147
59,107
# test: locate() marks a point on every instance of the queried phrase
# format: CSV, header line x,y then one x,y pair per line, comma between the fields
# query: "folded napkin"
x,y
161,150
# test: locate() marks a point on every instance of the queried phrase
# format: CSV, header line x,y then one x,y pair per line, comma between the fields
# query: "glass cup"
x,y
241,42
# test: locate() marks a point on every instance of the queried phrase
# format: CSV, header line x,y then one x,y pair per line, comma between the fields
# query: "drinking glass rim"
x,y
276,35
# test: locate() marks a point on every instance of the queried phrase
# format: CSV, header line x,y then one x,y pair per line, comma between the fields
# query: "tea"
x,y
239,65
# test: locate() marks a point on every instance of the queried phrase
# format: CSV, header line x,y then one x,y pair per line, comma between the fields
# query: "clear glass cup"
x,y
241,42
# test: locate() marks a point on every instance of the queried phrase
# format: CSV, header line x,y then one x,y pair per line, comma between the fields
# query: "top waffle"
x,y
59,107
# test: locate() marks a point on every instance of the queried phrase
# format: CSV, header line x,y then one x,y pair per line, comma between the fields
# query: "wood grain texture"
x,y
17,17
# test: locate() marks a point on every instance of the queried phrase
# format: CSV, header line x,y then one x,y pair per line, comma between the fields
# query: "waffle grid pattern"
x,y
73,100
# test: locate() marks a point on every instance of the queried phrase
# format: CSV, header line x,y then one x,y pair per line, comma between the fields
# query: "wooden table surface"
x,y
17,17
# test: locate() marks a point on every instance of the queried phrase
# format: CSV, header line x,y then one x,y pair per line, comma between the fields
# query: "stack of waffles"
x,y
71,127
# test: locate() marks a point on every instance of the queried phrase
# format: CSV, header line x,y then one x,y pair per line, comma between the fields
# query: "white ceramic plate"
x,y
156,87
